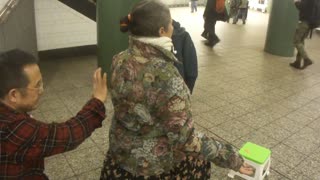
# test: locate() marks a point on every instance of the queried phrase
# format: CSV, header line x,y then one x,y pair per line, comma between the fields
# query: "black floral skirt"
x,y
188,169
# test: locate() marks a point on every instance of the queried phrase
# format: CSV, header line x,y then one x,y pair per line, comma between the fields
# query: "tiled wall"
x,y
2,3
59,26
19,31
180,2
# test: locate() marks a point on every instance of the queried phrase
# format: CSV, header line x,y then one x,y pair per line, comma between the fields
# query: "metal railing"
x,y
7,9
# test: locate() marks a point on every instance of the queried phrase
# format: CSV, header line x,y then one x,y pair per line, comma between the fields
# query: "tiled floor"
x,y
242,94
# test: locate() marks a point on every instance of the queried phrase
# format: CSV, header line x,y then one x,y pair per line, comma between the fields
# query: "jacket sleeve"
x,y
37,139
190,62
221,154
175,112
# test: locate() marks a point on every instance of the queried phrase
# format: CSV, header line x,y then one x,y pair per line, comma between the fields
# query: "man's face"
x,y
28,98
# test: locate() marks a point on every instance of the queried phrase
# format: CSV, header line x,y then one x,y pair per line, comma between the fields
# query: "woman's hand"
x,y
246,169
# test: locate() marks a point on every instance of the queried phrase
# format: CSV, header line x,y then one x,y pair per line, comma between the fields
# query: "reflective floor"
x,y
242,94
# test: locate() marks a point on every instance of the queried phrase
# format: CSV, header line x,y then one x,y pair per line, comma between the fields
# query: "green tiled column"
x,y
282,24
110,39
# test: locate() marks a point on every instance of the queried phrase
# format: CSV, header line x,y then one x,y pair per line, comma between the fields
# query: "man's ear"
x,y
13,95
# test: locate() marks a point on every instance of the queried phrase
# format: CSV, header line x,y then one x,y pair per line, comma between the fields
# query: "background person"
x,y
193,6
186,55
309,18
215,11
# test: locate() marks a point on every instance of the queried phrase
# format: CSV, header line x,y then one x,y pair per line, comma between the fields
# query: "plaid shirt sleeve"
x,y
34,139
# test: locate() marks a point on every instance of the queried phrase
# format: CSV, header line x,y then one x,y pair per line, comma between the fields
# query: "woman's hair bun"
x,y
124,24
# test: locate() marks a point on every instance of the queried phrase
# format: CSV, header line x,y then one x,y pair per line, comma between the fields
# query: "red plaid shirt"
x,y
25,142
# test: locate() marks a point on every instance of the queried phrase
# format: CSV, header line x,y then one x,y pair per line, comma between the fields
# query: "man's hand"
x,y
100,90
246,169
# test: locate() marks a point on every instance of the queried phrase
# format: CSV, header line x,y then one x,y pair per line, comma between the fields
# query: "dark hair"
x,y
146,18
11,70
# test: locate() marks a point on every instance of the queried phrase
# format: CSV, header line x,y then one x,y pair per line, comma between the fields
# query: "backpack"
x,y
314,20
220,6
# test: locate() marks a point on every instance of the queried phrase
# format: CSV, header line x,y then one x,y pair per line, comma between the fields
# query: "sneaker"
x,y
307,62
204,35
216,42
209,44
212,44
296,64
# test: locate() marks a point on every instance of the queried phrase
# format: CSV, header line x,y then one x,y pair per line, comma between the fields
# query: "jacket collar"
x,y
146,50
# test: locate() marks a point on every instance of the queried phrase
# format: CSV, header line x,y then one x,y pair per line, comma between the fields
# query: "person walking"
x,y
194,6
215,11
234,8
309,18
242,12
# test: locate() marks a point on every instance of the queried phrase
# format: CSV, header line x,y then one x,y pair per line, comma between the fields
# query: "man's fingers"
x,y
96,73
104,78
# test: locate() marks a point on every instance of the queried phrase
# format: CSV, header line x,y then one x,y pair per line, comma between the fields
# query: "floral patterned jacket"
x,y
152,128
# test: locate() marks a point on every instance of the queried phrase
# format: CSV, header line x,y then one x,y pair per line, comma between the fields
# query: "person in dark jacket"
x,y
303,29
186,54
211,16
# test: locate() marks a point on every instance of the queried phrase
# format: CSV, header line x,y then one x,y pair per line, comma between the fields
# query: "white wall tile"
x,y
59,26
2,3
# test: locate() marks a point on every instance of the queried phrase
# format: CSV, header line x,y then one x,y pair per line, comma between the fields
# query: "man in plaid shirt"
x,y
24,141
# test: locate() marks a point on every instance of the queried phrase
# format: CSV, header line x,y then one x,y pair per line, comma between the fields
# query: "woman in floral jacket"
x,y
152,134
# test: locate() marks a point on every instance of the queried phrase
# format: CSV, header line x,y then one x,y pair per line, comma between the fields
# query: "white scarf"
x,y
164,42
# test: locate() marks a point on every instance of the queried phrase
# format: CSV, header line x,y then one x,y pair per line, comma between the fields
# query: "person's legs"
x,y
205,32
193,8
299,37
297,62
243,14
236,17
213,39
231,15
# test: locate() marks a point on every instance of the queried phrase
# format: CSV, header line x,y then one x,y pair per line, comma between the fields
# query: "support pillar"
x,y
110,39
281,28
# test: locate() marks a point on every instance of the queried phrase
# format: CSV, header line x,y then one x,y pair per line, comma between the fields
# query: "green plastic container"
x,y
255,153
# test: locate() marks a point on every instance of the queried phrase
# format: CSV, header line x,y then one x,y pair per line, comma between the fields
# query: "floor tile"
x,y
236,128
58,168
261,139
91,175
287,155
310,134
85,160
301,144
289,124
275,132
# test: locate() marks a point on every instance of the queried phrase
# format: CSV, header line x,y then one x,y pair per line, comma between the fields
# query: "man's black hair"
x,y
12,74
